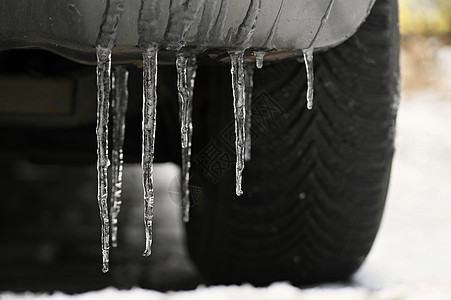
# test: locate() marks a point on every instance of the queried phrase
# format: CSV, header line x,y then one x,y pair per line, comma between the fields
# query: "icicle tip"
x,y
105,262
186,218
147,252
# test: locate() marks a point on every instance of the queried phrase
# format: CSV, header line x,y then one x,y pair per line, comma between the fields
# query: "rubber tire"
x,y
315,189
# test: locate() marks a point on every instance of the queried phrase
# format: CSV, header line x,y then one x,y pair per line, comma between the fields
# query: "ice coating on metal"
x,y
119,109
329,9
321,24
308,60
182,14
108,29
148,24
191,69
238,87
148,138
247,27
103,102
370,6
249,85
206,25
268,41
259,56
218,28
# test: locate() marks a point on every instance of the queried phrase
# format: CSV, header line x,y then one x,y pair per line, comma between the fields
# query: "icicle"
x,y
308,55
150,63
249,85
119,110
259,55
103,98
308,59
186,72
189,71
238,86
105,42
181,64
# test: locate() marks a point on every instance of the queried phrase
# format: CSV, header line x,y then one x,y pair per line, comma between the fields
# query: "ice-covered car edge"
x,y
71,28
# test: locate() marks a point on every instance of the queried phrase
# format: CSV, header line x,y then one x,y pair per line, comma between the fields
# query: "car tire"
x,y
315,188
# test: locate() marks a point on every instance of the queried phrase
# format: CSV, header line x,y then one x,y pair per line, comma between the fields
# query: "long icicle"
x,y
150,63
191,69
119,109
105,42
238,86
103,102
181,64
249,85
184,112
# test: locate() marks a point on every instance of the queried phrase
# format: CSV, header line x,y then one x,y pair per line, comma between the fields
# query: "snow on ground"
x,y
414,244
411,258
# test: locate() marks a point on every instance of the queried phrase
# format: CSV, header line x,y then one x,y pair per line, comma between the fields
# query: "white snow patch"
x,y
276,291
414,242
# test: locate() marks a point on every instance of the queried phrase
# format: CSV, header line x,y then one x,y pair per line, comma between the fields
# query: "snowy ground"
x,y
411,258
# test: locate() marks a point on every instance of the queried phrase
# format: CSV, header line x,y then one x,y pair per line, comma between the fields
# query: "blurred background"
x,y
425,44
410,258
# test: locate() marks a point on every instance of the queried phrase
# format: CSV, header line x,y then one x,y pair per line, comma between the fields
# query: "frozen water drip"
x,y
238,87
308,55
119,111
249,85
105,43
186,74
103,103
259,56
308,60
150,64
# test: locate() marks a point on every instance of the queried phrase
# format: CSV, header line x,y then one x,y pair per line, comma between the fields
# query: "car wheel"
x,y
315,188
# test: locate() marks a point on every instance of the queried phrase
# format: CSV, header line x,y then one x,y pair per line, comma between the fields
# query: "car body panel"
x,y
71,27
